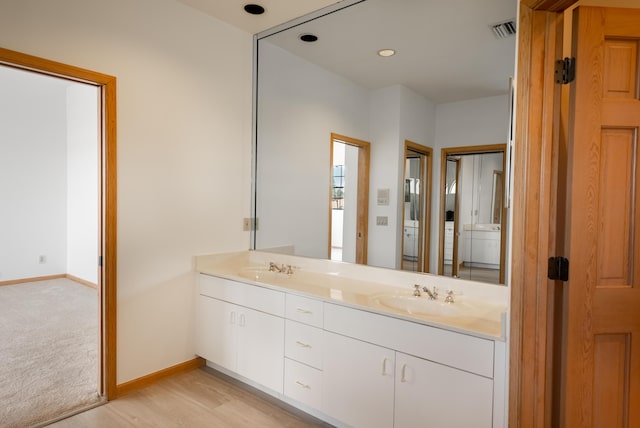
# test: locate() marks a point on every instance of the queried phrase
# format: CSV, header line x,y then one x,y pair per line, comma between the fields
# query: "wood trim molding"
x,y
362,220
534,207
108,203
548,5
33,279
81,281
49,277
144,381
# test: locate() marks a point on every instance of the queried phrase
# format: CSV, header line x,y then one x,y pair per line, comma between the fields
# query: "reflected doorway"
x,y
472,213
416,208
349,200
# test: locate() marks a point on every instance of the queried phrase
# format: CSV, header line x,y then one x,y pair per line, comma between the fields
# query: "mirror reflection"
x,y
445,87
472,231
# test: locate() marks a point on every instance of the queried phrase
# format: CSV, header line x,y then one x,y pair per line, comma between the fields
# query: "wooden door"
x,y
601,333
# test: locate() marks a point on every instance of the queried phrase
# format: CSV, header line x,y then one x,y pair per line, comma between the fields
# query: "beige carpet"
x,y
48,351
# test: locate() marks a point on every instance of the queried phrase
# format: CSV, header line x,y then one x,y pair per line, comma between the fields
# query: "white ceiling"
x,y
276,11
445,48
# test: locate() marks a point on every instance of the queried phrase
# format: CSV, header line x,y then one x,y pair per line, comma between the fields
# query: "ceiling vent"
x,y
504,29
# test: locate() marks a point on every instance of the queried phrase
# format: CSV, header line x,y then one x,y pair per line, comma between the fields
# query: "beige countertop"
x,y
476,312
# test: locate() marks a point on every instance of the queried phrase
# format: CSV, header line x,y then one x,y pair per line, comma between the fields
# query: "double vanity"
x,y
356,345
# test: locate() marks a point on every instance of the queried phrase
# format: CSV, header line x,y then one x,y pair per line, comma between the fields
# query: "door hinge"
x,y
558,268
565,70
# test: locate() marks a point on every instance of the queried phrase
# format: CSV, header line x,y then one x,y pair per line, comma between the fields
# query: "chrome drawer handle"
x,y
304,311
304,345
303,385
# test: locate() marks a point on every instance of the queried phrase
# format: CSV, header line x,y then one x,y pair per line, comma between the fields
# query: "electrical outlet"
x,y
249,223
42,259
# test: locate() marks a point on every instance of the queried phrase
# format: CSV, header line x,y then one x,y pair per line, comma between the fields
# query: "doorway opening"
x,y
349,199
416,209
472,213
107,203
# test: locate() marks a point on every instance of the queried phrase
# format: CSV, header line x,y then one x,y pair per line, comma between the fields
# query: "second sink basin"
x,y
420,305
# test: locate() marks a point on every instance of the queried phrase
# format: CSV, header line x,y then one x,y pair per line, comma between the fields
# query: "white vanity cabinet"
x,y
358,382
432,377
350,366
241,328
431,394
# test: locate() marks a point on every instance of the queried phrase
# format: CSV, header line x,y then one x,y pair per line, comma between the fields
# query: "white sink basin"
x,y
260,273
421,305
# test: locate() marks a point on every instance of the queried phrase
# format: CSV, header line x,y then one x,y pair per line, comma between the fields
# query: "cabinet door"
x,y
261,348
215,331
431,394
358,382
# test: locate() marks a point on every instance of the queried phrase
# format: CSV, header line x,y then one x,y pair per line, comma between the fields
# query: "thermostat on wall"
x,y
383,196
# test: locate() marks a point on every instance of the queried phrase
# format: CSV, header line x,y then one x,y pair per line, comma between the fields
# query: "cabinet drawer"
x,y
303,383
303,343
304,310
250,296
453,349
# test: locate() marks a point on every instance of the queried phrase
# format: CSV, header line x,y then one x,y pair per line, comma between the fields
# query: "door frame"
x,y
107,271
536,222
362,213
469,150
426,173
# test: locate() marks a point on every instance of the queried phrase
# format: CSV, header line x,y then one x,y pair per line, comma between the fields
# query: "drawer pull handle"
x,y
302,344
242,321
304,311
303,385
403,378
384,367
232,317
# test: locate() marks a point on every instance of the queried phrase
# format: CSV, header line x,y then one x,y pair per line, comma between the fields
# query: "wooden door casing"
x,y
601,356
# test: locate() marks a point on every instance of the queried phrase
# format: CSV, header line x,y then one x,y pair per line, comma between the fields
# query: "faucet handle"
x,y
450,294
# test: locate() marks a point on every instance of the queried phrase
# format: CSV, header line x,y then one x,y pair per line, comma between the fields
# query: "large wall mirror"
x,y
446,86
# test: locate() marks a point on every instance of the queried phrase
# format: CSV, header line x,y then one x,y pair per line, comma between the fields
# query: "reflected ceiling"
x,y
441,53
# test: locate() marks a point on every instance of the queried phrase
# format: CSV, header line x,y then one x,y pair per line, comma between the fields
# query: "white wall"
x,y
82,182
300,106
33,182
397,114
184,153
50,173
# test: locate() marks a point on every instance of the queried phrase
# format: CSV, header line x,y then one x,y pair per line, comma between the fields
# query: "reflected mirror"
x,y
445,86
472,232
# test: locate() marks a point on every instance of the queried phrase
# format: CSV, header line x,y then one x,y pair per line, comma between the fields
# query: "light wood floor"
x,y
200,398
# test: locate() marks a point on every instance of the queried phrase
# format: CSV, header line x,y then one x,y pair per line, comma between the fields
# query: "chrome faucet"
x,y
433,295
273,267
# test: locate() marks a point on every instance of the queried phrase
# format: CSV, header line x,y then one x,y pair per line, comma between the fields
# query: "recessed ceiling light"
x,y
386,52
309,38
254,9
